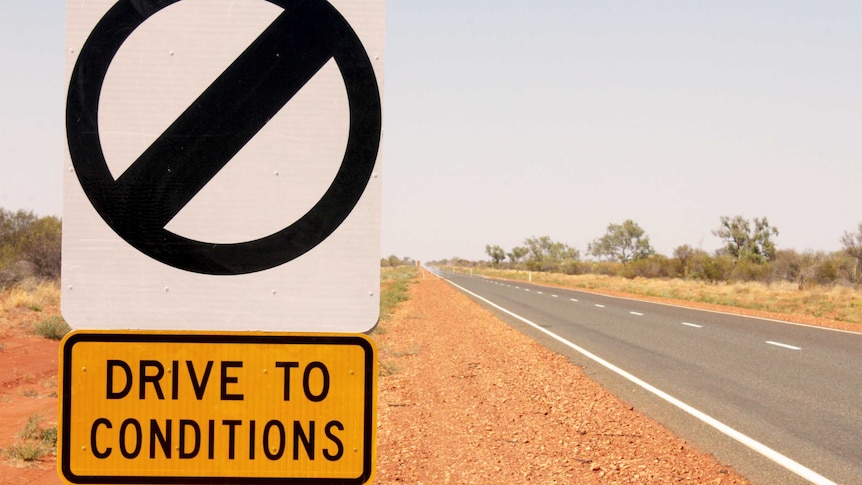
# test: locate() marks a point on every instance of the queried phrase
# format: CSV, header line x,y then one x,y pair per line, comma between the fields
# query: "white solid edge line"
x,y
785,346
751,443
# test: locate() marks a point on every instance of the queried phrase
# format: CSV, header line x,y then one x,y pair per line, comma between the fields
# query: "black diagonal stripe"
x,y
224,118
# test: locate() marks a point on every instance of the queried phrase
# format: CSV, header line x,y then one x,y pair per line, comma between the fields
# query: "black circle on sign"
x,y
138,204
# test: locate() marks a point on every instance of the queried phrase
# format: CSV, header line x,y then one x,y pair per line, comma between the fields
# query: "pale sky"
x,y
504,120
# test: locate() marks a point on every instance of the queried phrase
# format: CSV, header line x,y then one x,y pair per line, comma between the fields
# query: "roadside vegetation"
x,y
838,303
33,442
37,297
53,327
29,247
394,283
750,270
30,294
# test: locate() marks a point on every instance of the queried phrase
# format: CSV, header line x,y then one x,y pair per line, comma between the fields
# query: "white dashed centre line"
x,y
574,299
600,306
637,314
555,296
783,346
692,325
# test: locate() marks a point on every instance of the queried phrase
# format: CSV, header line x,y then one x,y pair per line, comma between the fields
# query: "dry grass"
x,y
30,295
394,284
393,288
837,303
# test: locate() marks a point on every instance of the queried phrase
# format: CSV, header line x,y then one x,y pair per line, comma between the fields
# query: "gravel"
x,y
466,399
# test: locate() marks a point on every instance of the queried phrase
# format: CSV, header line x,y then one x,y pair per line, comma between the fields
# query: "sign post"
x,y
221,241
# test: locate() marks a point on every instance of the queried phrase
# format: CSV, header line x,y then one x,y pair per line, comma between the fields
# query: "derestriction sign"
x,y
217,408
223,156
215,127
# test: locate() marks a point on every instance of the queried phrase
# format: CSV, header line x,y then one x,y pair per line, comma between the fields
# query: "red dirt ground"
x,y
28,387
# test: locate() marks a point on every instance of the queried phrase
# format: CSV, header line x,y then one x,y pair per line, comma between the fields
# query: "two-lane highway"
x,y
790,394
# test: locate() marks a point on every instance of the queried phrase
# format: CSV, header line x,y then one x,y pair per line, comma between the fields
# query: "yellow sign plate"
x,y
217,408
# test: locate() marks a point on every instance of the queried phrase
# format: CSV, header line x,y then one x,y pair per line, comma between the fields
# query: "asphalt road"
x,y
780,402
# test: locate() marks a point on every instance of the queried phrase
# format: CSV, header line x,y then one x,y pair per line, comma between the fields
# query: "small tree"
x,y
622,242
496,253
516,254
543,254
13,225
36,240
742,243
852,243
41,244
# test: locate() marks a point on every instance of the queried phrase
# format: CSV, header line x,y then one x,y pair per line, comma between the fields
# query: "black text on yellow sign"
x,y
141,407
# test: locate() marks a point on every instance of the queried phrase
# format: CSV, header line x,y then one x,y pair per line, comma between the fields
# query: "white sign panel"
x,y
222,169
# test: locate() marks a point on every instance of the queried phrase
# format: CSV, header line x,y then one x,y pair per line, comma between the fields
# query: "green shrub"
x,y
655,266
712,268
30,430
572,267
746,270
27,450
607,268
48,436
33,442
54,328
827,272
